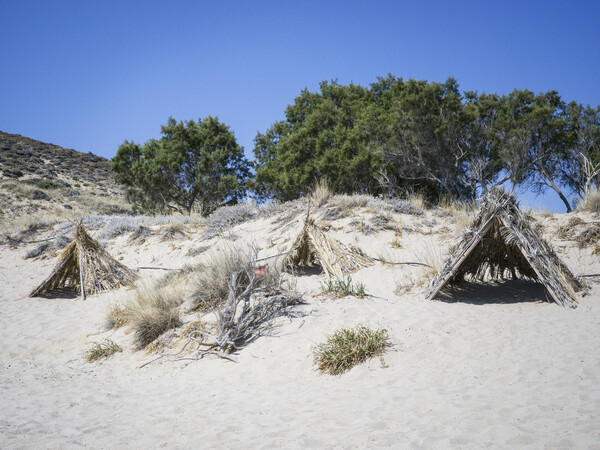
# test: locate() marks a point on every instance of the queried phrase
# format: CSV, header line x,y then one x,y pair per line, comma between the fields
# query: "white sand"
x,y
500,369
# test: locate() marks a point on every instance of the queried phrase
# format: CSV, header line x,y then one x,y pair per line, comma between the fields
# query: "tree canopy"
x,y
391,138
193,166
322,137
398,136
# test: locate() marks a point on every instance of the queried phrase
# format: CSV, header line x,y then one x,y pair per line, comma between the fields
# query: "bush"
x,y
140,234
401,206
37,194
118,226
227,217
349,347
38,250
154,311
172,232
344,204
102,350
245,298
58,243
271,208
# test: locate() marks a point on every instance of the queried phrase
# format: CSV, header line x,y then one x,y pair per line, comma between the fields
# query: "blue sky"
x,y
88,75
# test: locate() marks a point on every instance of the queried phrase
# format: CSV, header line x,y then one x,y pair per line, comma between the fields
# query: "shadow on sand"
x,y
503,292
62,293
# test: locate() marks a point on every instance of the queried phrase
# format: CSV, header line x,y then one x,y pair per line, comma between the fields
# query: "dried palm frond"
x,y
313,247
84,264
502,244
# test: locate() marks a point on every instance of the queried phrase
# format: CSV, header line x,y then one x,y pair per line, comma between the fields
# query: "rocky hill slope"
x,y
39,180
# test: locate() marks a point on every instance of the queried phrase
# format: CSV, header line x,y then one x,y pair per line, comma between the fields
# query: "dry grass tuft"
x,y
116,317
172,232
195,251
396,244
588,237
349,347
344,205
591,202
431,256
212,283
321,193
140,234
417,201
568,230
153,311
420,276
459,213
583,233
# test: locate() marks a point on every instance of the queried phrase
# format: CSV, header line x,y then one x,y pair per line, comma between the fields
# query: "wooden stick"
x,y
81,276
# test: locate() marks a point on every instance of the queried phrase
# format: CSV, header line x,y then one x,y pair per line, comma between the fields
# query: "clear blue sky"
x,y
88,75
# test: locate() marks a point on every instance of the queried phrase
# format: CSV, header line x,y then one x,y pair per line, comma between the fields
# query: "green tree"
x,y
535,140
581,168
424,131
321,138
193,166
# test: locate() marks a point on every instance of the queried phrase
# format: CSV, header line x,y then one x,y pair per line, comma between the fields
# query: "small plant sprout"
x,y
341,287
102,350
396,244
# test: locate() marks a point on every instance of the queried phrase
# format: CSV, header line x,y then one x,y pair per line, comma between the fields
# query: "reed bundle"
x,y
313,247
501,244
85,266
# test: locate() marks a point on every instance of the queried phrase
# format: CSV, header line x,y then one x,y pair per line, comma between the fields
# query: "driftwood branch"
x,y
254,300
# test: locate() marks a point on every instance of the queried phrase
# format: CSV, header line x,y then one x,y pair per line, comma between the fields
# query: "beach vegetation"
x,y
194,166
154,310
102,349
348,347
342,287
116,317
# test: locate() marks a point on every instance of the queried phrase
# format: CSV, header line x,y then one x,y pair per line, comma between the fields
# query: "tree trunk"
x,y
561,195
550,182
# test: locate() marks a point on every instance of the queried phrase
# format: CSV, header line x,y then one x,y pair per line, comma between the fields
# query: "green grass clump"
x,y
341,287
102,350
349,347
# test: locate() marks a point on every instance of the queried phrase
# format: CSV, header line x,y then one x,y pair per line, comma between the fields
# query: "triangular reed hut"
x,y
86,266
502,244
313,247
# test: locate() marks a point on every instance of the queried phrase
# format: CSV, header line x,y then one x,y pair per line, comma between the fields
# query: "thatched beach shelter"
x,y
85,266
502,244
313,248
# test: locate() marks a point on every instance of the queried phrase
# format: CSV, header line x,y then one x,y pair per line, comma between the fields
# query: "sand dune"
x,y
491,367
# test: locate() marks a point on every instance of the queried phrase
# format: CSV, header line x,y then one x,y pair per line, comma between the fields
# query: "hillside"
x,y
45,180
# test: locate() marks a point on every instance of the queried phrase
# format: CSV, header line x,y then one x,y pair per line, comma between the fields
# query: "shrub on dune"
x,y
348,347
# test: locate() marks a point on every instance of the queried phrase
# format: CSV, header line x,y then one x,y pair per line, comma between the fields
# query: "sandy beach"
x,y
494,366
